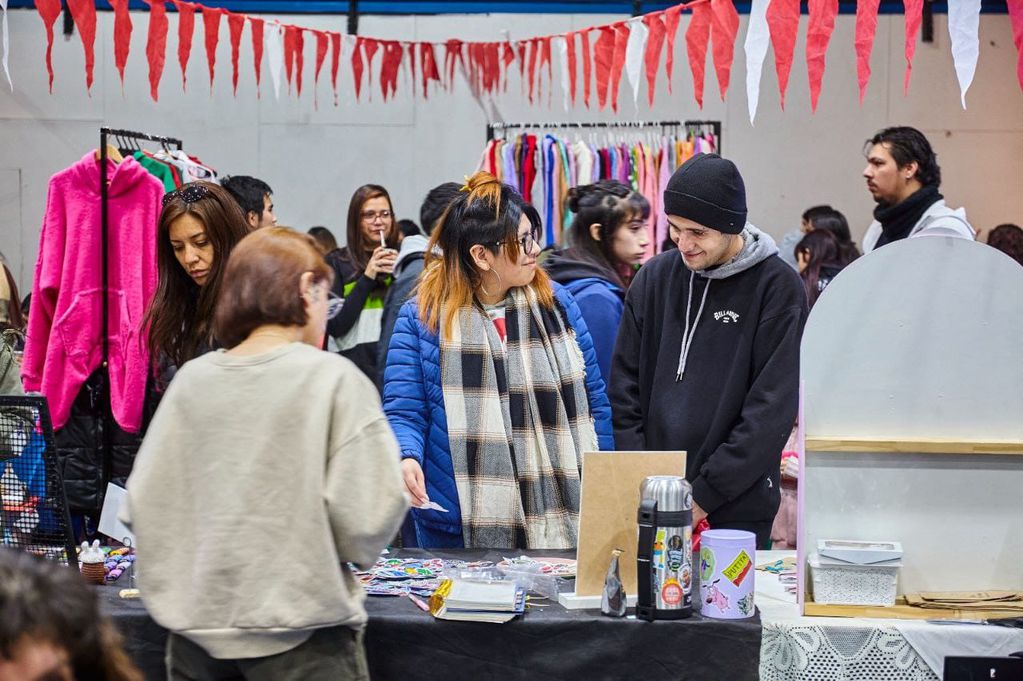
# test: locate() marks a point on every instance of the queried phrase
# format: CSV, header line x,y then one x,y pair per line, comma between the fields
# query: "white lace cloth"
x,y
830,648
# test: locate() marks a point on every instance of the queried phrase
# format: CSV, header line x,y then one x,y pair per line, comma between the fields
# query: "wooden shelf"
x,y
830,444
899,611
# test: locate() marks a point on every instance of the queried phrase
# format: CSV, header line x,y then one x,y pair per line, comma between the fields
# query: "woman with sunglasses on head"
x,y
268,449
362,274
608,239
492,385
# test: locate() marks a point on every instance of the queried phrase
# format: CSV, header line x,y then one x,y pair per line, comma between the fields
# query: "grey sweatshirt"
x,y
258,479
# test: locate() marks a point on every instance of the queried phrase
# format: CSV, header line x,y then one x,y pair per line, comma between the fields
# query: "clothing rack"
x,y
493,128
126,139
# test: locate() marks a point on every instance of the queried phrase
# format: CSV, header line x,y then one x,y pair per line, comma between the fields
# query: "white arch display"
x,y
912,367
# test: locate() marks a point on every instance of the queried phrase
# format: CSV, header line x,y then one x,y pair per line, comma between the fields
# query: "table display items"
x,y
613,602
664,561
727,576
463,600
114,561
849,572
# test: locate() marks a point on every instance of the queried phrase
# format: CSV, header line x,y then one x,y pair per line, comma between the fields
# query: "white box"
x,y
840,583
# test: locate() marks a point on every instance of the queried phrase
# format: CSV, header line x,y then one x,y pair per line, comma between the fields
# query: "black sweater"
x,y
737,403
366,296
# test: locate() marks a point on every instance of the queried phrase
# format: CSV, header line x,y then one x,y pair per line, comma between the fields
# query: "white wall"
x,y
315,157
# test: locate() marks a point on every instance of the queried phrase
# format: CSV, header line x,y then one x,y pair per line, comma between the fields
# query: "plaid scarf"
x,y
518,420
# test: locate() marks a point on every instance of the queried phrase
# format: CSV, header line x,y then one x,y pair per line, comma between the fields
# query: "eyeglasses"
x,y
189,193
526,243
370,216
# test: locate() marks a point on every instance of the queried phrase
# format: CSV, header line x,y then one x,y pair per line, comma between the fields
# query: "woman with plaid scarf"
x,y
492,384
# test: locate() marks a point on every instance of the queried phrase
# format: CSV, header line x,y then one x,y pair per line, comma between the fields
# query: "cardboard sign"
x,y
608,510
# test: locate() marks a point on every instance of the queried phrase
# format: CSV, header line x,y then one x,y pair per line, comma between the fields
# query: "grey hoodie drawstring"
x,y
687,335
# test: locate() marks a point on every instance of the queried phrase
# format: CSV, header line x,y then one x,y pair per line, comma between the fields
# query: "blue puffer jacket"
x,y
414,404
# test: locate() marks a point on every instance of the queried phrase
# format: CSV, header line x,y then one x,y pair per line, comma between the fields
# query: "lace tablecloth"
x,y
830,648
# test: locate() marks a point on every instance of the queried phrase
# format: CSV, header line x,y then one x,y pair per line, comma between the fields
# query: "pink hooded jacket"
x,y
63,344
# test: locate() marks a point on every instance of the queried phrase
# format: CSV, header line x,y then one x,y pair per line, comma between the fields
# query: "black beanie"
x,y
709,190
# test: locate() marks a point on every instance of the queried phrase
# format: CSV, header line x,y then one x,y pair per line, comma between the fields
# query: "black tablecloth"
x,y
403,642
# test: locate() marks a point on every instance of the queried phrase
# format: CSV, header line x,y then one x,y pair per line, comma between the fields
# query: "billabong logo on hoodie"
x,y
726,317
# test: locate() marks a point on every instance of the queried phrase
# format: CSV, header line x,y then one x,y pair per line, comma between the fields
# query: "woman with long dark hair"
x,y
362,274
492,385
818,255
199,226
832,221
608,239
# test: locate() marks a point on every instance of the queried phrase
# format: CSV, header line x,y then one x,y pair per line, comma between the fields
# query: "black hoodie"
x,y
736,403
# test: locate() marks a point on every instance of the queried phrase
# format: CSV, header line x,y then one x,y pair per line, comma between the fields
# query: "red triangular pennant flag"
x,y
186,29
534,54
235,24
49,10
321,56
603,54
671,19
618,61
652,56
156,45
587,66
494,66
570,58
429,64
290,38
299,60
522,46
723,29
475,76
697,37
1016,17
452,53
335,61
122,36
84,14
914,17
389,66
257,51
370,45
357,67
211,27
818,35
866,27
783,23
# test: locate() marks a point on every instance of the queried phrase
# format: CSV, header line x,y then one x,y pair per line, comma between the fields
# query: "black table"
x,y
403,642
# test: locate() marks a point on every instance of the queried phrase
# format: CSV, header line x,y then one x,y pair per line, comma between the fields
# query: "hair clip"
x,y
189,193
465,187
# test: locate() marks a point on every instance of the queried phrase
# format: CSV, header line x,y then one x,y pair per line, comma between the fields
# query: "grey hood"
x,y
411,245
757,247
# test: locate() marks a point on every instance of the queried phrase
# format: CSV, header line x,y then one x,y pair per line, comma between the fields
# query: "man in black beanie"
x,y
707,358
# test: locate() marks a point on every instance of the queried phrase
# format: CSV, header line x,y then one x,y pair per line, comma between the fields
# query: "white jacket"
x,y
938,220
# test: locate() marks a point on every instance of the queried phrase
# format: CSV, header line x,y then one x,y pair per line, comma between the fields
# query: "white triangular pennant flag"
x,y
7,43
964,29
758,37
634,51
273,38
563,58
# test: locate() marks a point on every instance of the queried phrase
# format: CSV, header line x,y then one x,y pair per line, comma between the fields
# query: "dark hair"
x,y
262,283
15,319
610,204
1008,238
822,247
324,238
436,201
248,192
488,215
908,145
358,251
834,222
179,320
409,228
50,603
815,211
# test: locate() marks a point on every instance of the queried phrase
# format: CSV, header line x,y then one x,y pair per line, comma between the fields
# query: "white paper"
x,y
757,39
273,39
964,29
108,517
432,506
7,41
634,51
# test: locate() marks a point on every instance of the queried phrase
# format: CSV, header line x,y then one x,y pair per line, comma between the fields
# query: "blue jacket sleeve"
x,y
600,407
404,388
602,311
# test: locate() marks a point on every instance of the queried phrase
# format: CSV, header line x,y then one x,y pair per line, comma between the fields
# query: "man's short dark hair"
x,y
436,201
908,145
248,192
813,212
409,228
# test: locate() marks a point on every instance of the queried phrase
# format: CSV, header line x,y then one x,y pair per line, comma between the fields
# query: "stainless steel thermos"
x,y
664,569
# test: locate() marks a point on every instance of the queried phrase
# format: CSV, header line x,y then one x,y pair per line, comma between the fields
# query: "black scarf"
x,y
897,221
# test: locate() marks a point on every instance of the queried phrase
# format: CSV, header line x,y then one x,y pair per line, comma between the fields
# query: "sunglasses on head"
x,y
189,193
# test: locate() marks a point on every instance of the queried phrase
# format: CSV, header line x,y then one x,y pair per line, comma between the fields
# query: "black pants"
x,y
334,654
761,529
